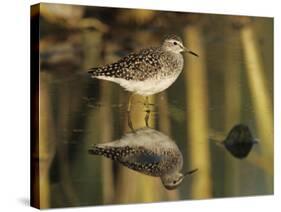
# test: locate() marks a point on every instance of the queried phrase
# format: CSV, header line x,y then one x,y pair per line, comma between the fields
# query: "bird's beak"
x,y
190,172
190,52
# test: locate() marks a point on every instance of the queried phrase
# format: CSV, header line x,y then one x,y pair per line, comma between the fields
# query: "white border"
x,y
14,112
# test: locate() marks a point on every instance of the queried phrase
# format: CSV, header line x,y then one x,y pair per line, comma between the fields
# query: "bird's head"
x,y
172,181
174,43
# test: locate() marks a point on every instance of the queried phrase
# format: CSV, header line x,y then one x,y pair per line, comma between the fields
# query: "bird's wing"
x,y
142,155
126,154
132,66
143,160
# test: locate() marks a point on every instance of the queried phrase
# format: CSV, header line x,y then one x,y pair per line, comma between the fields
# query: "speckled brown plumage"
x,y
140,158
147,151
135,66
156,68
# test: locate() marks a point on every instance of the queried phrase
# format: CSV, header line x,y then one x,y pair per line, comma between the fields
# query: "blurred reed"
x,y
165,127
97,188
46,140
93,58
106,131
62,136
136,16
197,115
260,95
232,110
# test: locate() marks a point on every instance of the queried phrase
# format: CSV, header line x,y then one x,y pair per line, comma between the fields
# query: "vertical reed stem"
x,y
232,111
165,127
46,141
197,114
260,95
106,135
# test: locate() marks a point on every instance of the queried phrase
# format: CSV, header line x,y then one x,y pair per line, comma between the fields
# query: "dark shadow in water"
x,y
239,141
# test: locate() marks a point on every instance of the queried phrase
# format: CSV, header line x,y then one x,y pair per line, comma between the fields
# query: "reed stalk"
x,y
46,141
261,98
106,131
197,114
232,98
165,127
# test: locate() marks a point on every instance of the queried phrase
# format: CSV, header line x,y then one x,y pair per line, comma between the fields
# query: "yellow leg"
x,y
147,110
129,113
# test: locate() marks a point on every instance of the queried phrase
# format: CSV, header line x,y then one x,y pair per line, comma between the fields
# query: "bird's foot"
x,y
130,123
146,119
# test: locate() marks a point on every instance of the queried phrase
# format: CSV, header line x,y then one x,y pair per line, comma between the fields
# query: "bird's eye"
x,y
175,43
174,182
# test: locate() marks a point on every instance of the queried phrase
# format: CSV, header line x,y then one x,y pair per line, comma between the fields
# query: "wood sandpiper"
x,y
148,71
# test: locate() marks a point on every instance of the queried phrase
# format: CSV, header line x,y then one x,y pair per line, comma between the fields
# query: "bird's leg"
x,y
129,113
147,118
147,110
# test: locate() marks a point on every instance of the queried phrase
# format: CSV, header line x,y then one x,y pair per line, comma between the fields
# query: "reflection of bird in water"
x,y
148,71
147,151
239,141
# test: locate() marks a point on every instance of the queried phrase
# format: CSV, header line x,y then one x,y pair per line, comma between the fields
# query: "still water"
x,y
230,83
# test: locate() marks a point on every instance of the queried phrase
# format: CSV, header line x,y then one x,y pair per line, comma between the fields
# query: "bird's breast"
x,y
172,64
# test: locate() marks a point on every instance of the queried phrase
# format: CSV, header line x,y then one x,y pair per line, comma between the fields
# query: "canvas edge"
x,y
34,103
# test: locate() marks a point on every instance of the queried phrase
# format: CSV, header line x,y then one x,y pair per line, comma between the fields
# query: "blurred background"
x,y
230,83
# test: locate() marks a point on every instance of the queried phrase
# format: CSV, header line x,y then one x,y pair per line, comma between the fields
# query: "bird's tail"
x,y
94,72
101,73
113,153
96,150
